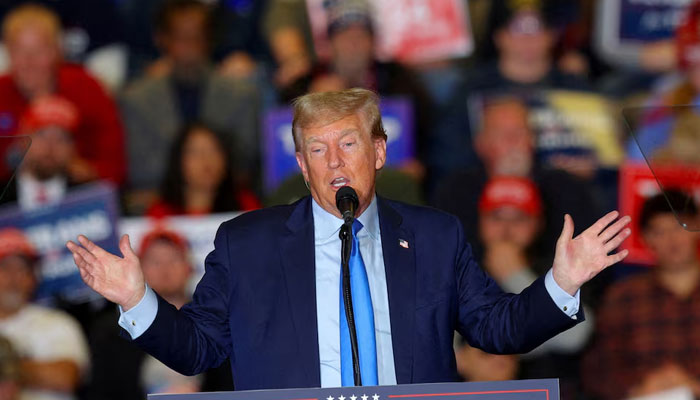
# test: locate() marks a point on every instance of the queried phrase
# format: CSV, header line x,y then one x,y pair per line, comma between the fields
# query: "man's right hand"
x,y
118,279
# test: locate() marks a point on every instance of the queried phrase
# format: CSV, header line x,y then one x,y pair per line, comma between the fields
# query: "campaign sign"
x,y
90,210
279,160
624,25
536,389
637,183
405,30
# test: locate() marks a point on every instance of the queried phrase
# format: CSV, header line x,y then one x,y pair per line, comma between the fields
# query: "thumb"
x,y
125,247
567,232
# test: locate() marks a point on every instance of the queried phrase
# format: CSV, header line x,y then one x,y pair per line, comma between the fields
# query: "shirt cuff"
x,y
139,318
567,303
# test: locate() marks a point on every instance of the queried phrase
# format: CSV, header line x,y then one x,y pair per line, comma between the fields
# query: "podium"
x,y
536,389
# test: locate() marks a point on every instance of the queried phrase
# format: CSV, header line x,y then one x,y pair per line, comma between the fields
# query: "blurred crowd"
x,y
167,100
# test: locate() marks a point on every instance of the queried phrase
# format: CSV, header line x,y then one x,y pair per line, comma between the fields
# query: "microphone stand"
x,y
346,249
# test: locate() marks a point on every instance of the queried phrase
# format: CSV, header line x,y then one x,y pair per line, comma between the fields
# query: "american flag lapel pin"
x,y
403,243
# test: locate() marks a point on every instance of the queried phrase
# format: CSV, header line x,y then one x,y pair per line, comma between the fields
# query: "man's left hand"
x,y
577,260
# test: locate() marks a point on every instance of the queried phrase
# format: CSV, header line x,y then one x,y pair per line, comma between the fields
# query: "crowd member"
x,y
666,131
50,344
91,35
44,177
200,178
183,88
32,36
647,329
121,371
9,371
524,39
510,222
505,146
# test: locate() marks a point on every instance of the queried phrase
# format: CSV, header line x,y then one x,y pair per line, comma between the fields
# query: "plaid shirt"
x,y
641,326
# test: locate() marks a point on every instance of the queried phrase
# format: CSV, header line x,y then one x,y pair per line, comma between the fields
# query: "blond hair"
x,y
320,109
33,15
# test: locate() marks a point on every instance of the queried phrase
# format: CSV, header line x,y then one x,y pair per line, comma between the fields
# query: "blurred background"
x,y
164,118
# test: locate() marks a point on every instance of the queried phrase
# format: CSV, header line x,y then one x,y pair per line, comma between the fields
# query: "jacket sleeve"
x,y
502,323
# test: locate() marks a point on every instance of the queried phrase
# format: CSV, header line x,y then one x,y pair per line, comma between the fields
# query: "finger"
x,y
96,250
87,257
615,242
567,232
125,247
613,229
599,225
82,265
616,258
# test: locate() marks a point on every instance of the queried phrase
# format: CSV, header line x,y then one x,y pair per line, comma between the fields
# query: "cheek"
x,y
490,231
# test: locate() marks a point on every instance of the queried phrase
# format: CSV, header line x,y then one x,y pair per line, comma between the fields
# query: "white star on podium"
x,y
330,398
365,397
375,397
353,397
341,397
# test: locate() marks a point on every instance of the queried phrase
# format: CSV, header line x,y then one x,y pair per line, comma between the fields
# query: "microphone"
x,y
347,202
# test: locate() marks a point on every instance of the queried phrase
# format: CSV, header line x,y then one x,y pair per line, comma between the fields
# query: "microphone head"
x,y
344,197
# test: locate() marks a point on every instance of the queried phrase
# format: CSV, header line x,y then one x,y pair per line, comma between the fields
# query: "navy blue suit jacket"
x,y
257,301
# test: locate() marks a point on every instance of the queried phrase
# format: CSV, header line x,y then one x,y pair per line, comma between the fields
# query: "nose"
x,y
334,158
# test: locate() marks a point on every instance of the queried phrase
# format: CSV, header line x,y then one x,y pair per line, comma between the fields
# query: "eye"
x,y
348,144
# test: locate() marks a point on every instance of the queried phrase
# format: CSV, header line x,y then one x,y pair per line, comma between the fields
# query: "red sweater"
x,y
99,138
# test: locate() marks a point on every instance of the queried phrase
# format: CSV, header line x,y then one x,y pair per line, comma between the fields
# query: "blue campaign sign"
x,y
90,210
536,389
650,20
279,161
622,27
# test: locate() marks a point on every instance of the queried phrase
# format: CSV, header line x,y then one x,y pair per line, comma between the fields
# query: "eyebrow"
x,y
343,133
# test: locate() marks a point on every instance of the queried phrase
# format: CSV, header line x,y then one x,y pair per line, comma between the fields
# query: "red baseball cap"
x,y
160,233
511,191
49,111
14,242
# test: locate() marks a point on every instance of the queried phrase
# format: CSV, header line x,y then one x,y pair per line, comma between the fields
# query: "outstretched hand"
x,y
118,279
577,260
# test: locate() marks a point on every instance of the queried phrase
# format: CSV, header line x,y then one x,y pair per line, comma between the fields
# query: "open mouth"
x,y
337,183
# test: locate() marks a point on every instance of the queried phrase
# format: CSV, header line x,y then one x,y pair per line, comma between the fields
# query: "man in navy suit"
x,y
270,300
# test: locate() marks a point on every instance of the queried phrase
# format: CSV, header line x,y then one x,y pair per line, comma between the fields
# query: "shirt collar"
x,y
327,225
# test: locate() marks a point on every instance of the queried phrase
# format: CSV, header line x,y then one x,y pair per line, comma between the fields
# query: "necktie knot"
x,y
356,226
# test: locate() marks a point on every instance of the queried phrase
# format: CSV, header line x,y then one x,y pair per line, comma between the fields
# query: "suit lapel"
x,y
298,263
400,266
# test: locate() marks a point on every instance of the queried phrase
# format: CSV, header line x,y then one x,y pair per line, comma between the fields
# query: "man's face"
x,y
353,51
673,246
17,283
508,224
339,154
505,143
523,43
34,54
186,41
165,268
51,151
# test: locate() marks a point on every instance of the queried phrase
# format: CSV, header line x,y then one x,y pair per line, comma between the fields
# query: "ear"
x,y
301,161
380,153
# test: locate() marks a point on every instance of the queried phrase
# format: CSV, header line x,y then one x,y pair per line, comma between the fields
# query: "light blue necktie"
x,y
364,321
